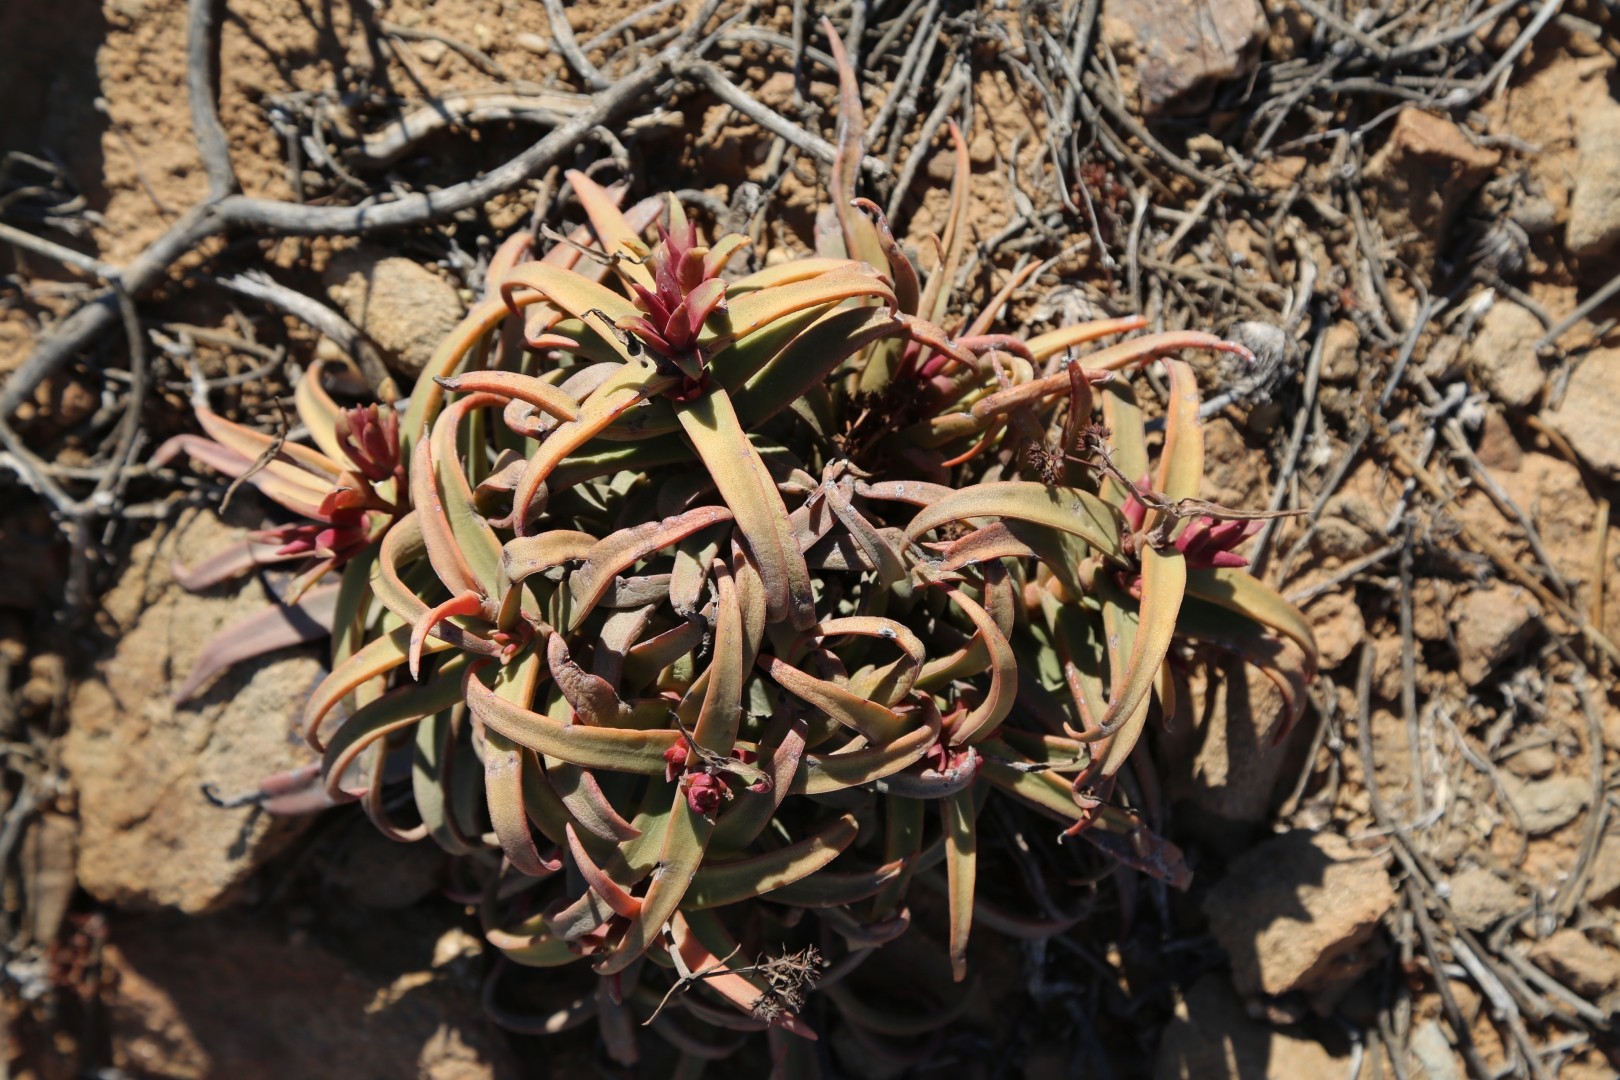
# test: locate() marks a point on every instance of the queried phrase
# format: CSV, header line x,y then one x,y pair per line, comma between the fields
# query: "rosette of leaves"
x,y
708,613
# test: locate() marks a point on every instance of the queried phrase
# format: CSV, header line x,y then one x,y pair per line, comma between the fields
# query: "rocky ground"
x,y
1414,207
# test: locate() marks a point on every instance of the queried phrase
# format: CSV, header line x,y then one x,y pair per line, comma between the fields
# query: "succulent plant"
x,y
709,611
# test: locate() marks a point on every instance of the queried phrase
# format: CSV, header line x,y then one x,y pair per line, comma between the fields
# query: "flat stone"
x,y
1532,763
1503,355
1498,450
1434,1053
401,305
1604,881
1341,352
1424,173
1185,49
1547,805
1589,414
1221,772
1594,206
1578,962
1491,624
1299,912
1480,899
138,762
1211,1037
227,996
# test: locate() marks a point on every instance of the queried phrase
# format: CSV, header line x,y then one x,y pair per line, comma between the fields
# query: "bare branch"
x,y
205,123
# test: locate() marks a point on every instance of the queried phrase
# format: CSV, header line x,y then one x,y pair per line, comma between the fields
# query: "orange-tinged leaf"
x,y
876,722
721,883
591,697
808,359
395,710
792,271
476,541
1164,583
468,603
1002,693
958,814
685,839
449,562
584,798
379,657
984,544
503,774
1047,345
706,947
633,383
721,711
824,773
593,304
891,683
752,311
319,413
427,397
515,386
524,556
617,552
616,234
614,749
1142,349
610,891
1069,510
298,464
1239,591
1181,463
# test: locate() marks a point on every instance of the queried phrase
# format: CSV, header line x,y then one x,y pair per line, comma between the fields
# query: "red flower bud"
x,y
704,793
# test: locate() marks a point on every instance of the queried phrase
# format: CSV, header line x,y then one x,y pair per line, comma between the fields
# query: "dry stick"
x,y
894,30
344,334
205,123
51,250
857,30
728,92
1409,707
1452,430
1467,96
478,59
1330,488
234,212
1261,549
780,41
380,149
1495,552
1122,116
1587,306
1397,833
947,98
1569,894
1301,597
1375,262
901,104
626,23
1377,49
562,35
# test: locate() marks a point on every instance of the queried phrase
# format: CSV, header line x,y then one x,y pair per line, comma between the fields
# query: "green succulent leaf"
x,y
958,816
615,749
739,472
721,883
